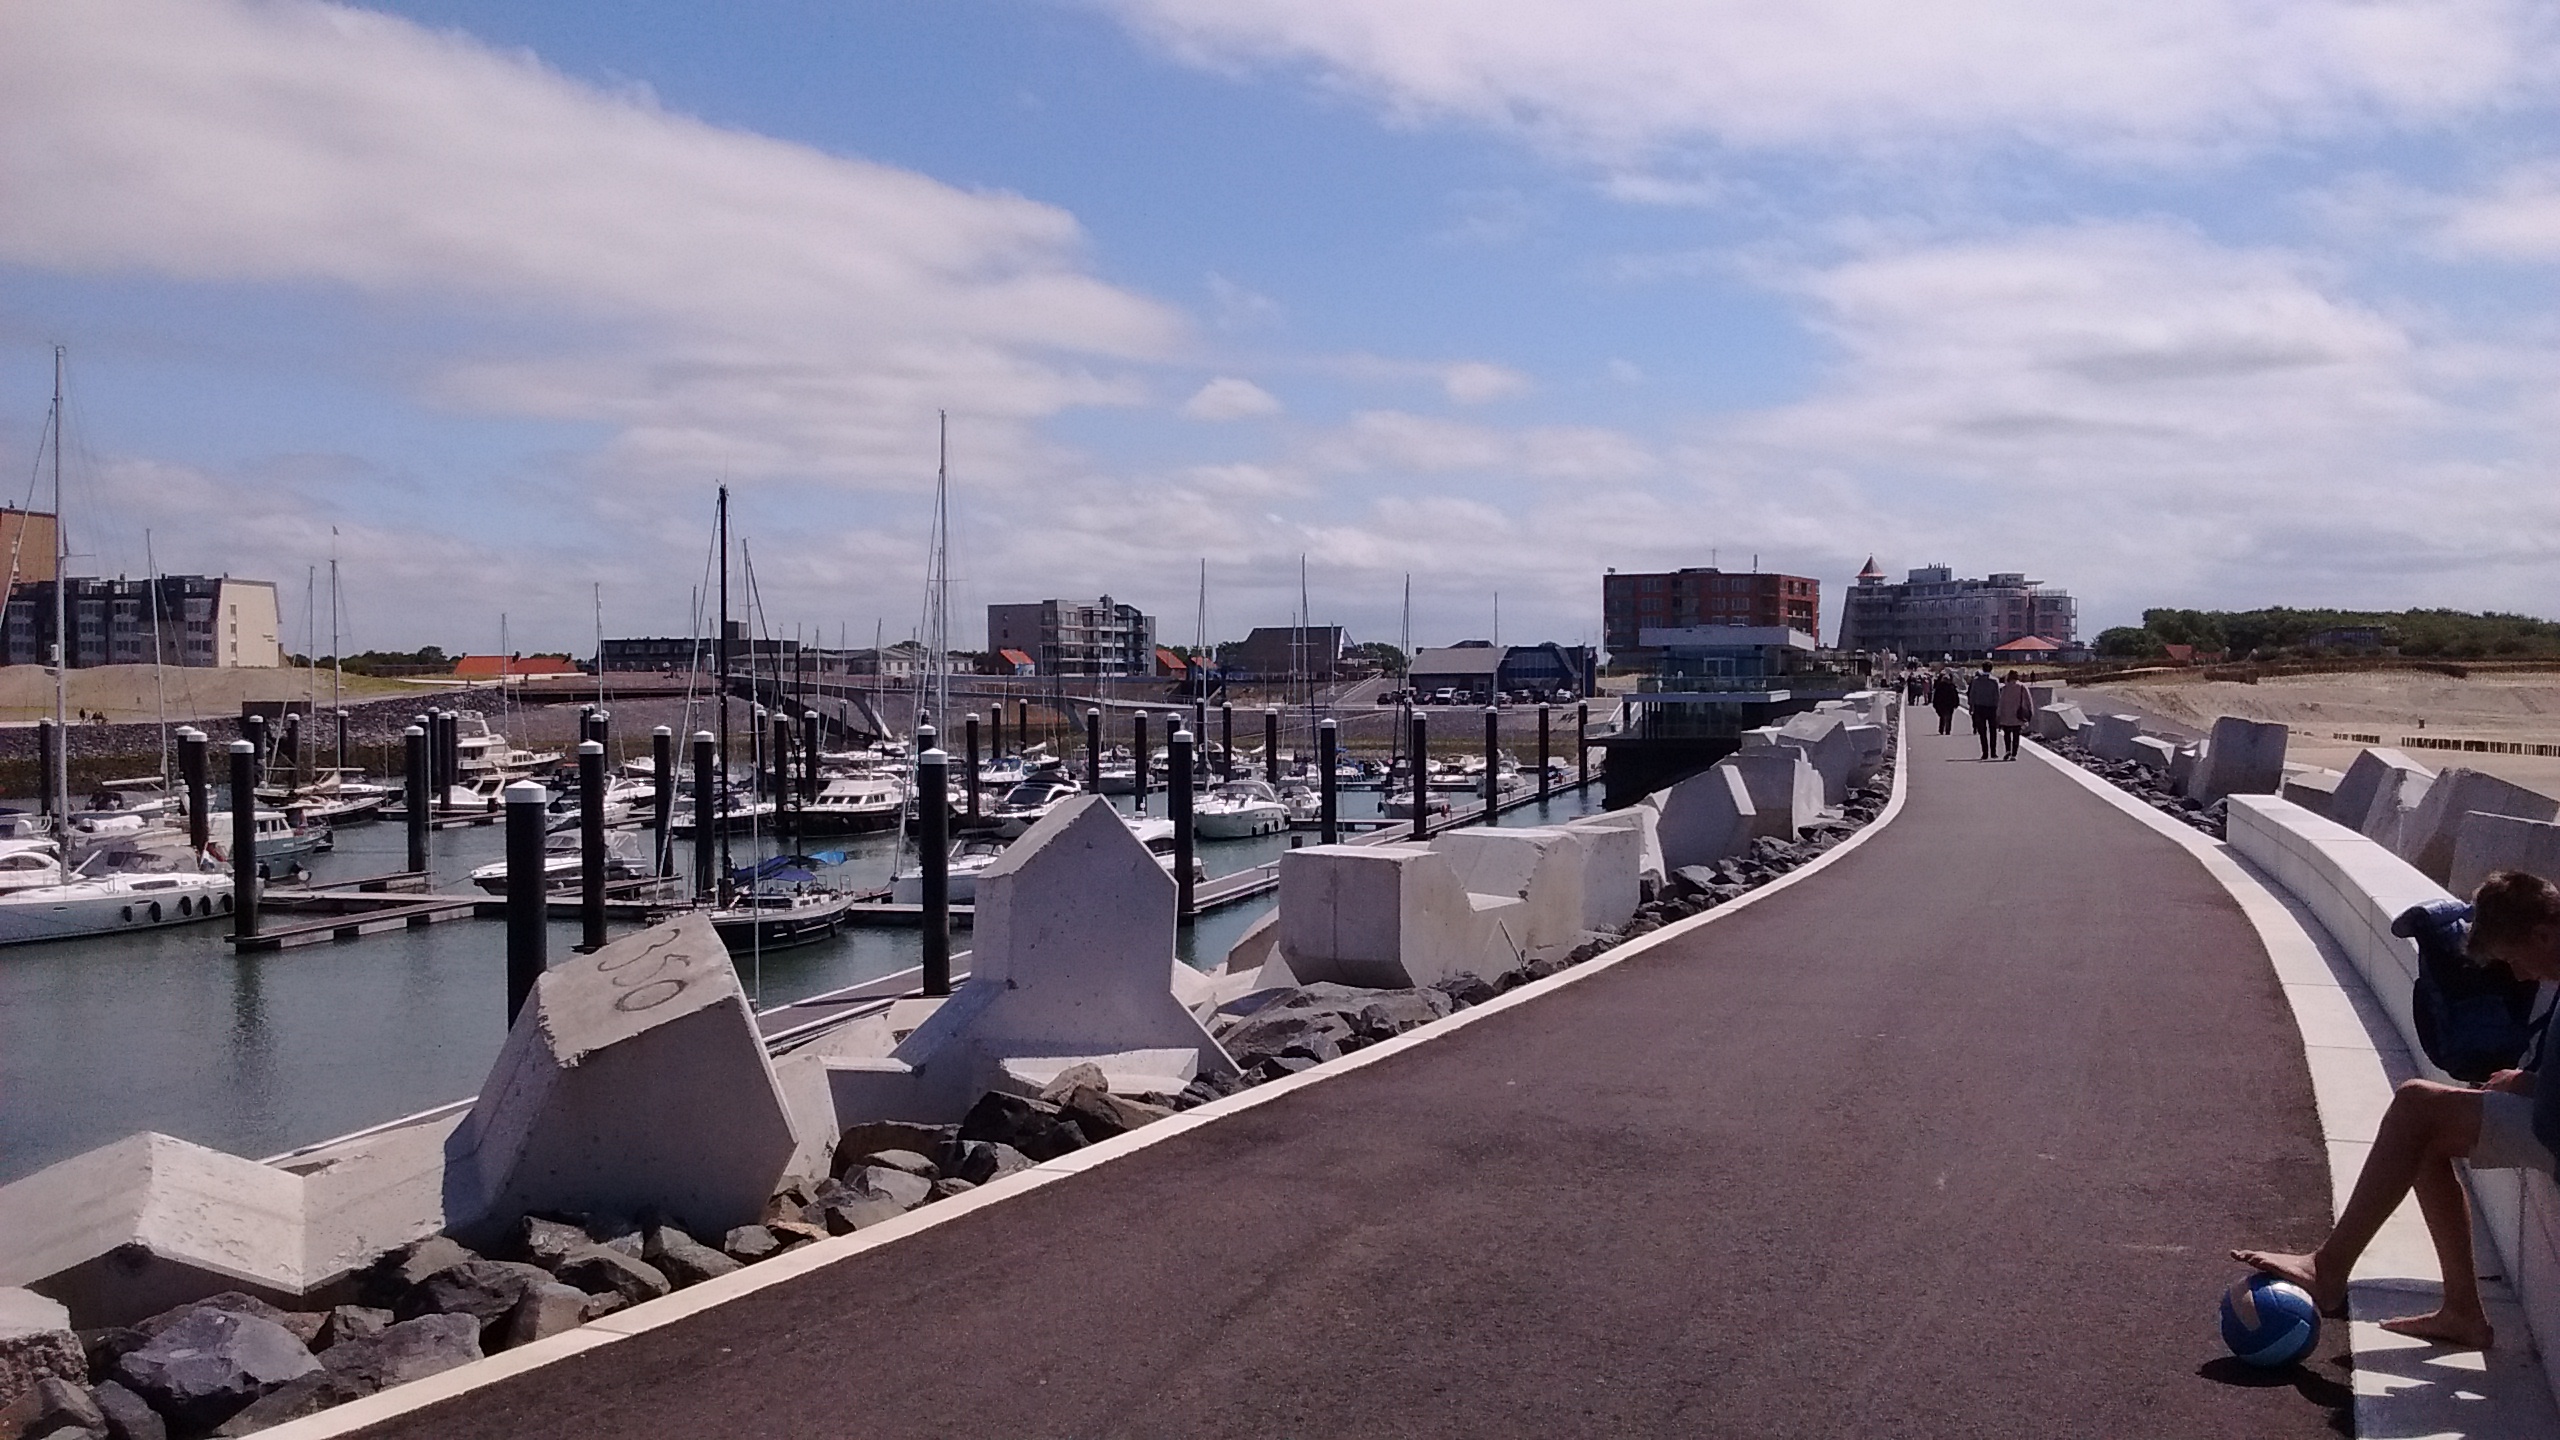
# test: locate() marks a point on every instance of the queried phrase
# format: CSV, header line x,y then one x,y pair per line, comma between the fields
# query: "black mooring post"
x,y
1021,726
1226,740
809,747
706,811
1543,781
933,859
969,758
995,731
192,759
1178,809
1421,777
342,740
1139,780
1093,751
527,903
1492,772
244,838
591,843
786,814
293,749
662,803
1582,741
603,723
1271,744
48,744
253,728
440,729
1199,720
414,739
1328,798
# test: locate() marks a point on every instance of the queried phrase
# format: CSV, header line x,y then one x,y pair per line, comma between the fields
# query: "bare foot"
x,y
2461,1332
2328,1296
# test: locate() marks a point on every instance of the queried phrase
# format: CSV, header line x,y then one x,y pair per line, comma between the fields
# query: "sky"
x,y
2204,303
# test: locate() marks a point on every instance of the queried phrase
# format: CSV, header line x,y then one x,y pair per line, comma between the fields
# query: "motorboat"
x,y
780,919
1398,805
278,835
1029,802
854,805
484,753
564,863
970,858
625,802
1240,809
1305,801
1158,836
124,887
29,862
743,815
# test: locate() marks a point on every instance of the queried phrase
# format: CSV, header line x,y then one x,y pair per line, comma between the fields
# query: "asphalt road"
x,y
1946,1141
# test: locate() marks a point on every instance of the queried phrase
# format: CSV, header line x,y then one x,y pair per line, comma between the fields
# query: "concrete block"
x,y
2182,767
2374,790
1866,743
1760,737
633,1078
2313,790
150,1222
2241,757
2428,833
2485,843
1786,792
1253,948
2152,753
1130,1072
1706,817
1612,869
1645,823
1070,950
1540,866
2112,737
2059,721
1387,917
1825,741
2043,695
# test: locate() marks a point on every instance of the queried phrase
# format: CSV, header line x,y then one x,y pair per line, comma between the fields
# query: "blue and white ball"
x,y
2269,1322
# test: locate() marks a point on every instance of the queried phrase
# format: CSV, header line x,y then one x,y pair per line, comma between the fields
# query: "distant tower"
x,y
1872,575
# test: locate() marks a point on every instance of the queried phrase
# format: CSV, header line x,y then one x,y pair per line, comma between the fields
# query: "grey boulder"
x,y
210,1364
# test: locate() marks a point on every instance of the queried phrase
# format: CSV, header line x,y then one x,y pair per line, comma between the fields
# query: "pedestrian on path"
x,y
1982,697
1943,698
2510,1123
2017,708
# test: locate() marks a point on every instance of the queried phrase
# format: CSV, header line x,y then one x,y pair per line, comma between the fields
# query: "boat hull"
x,y
745,931
33,916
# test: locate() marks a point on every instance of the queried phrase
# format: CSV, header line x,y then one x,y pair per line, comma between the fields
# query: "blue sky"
x,y
2194,302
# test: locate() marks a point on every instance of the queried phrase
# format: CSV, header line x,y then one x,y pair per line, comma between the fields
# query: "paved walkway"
x,y
1947,1140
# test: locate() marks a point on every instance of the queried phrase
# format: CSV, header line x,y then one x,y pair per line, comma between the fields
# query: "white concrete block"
x,y
1825,741
1540,866
2152,753
1867,744
1129,1072
2485,843
1706,818
2372,778
1253,948
2241,757
1382,916
1760,737
2112,738
130,1229
1612,869
1072,937
2427,834
2182,768
2042,695
2059,721
1786,792
634,1077
1645,823
2313,790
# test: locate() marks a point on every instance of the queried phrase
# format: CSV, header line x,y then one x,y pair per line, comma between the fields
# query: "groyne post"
x,y
591,843
1178,776
244,838
933,859
527,937
414,739
1328,792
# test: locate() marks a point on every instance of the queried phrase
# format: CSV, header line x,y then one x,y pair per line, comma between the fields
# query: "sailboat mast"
x,y
61,635
159,678
720,807
337,662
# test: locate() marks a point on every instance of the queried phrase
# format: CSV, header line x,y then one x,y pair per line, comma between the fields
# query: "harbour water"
x,y
254,1054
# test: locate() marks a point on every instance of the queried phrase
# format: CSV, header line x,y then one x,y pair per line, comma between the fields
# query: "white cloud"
x,y
1228,398
1475,382
722,299
2517,219
1618,78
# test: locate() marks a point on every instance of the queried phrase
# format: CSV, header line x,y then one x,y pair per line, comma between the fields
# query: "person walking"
x,y
2017,708
1943,698
1982,697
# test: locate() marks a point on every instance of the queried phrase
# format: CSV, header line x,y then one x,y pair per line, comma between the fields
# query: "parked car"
x,y
1445,695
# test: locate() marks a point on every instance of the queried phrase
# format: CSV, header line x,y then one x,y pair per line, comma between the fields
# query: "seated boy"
x,y
2511,1123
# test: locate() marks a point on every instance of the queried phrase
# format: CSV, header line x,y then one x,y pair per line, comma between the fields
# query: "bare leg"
x,y
2427,1126
2459,1320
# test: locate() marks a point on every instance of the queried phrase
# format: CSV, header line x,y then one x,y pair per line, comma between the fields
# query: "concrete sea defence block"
x,y
1070,955
2241,757
2042,695
634,1078
2377,775
148,1223
2313,790
1385,917
1867,744
1128,1072
1825,741
1540,866
2113,737
2059,721
1706,817
2428,833
1786,792
2153,753
2485,843
1760,737
36,1343
1613,864
2182,768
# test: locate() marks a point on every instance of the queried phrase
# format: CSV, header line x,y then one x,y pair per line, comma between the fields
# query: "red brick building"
x,y
1702,595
